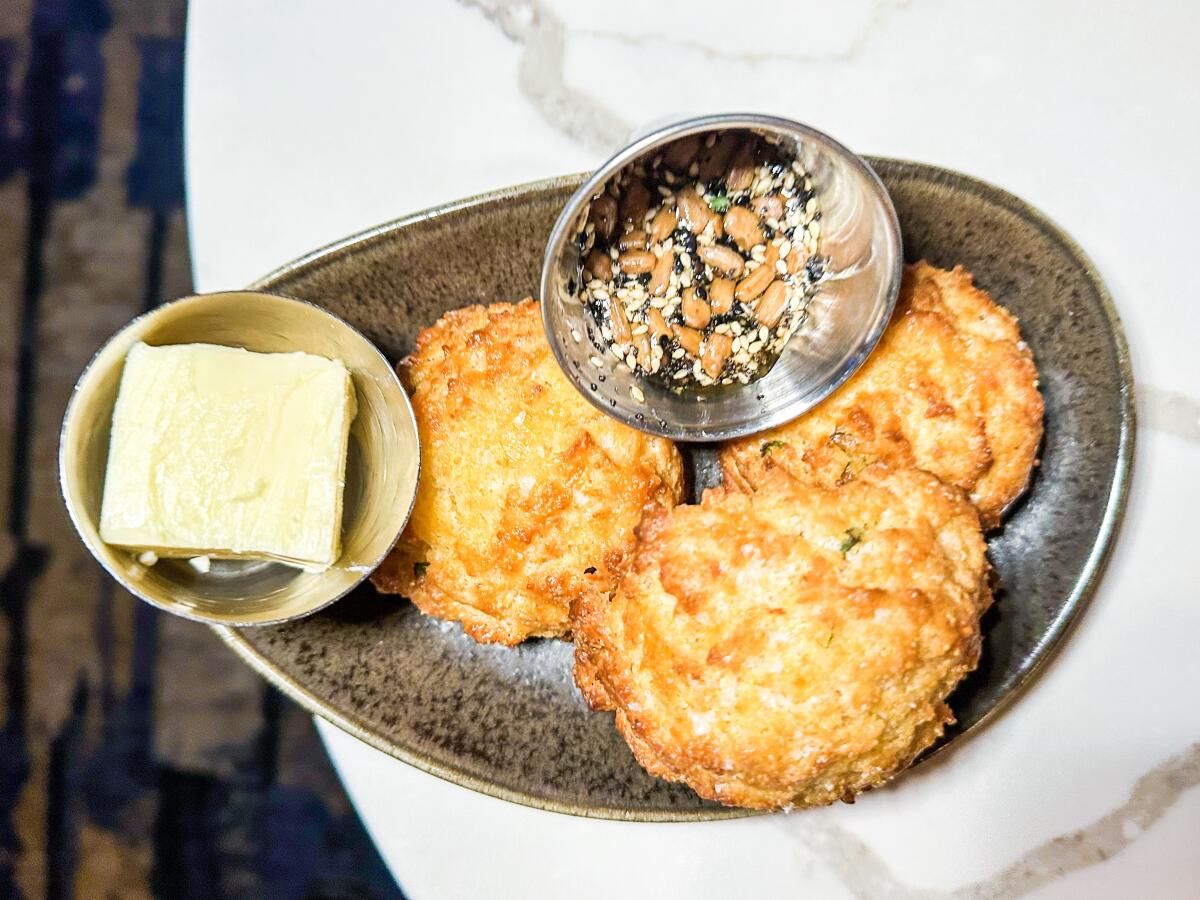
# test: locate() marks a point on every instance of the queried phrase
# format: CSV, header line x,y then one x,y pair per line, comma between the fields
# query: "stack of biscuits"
x,y
792,639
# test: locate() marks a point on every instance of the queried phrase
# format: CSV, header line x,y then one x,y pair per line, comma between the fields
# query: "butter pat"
x,y
217,451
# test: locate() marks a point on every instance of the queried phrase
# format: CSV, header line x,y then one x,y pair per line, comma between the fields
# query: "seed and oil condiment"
x,y
699,265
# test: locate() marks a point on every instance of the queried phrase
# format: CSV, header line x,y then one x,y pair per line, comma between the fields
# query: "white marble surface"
x,y
308,120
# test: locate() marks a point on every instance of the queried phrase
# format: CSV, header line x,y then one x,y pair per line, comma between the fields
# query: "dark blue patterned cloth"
x,y
118,778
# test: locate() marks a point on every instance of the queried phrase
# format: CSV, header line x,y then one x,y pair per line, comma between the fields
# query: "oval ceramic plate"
x,y
509,722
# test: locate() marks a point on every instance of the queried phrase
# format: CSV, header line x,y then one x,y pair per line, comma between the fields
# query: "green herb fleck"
x,y
419,569
768,447
719,203
854,537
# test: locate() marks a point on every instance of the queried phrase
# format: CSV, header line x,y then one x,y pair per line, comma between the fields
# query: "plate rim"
x,y
1043,652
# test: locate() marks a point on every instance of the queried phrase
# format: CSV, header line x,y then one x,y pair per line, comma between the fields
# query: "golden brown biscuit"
x,y
792,646
951,389
528,495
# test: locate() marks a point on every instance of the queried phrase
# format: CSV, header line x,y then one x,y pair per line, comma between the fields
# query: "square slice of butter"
x,y
222,452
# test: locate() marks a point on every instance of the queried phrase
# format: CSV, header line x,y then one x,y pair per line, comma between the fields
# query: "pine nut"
x,y
696,312
720,296
724,260
770,305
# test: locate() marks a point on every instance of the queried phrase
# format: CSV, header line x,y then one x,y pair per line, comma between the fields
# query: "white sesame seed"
x,y
789,180
148,558
615,351
781,267
785,247
607,332
773,224
677,353
743,378
636,393
201,564
736,327
575,335
694,169
664,190
597,362
680,375
640,329
763,332
814,228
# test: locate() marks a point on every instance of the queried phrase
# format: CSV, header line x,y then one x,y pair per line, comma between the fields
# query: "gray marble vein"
x,y
813,51
1172,412
865,874
541,34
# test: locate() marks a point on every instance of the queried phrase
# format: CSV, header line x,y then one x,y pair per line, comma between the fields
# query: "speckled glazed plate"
x,y
509,722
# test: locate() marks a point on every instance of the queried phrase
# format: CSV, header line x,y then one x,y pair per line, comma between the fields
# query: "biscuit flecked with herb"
x,y
529,496
792,646
951,389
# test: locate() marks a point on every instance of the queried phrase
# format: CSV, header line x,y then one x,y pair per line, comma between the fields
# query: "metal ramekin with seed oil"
x,y
720,276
